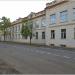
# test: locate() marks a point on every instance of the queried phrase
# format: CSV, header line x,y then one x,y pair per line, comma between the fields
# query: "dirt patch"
x,y
7,69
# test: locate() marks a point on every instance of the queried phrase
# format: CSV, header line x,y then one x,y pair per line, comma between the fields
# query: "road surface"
x,y
38,60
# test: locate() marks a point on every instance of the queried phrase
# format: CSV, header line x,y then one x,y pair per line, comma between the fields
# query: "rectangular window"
x,y
52,34
43,22
73,13
19,28
19,36
12,36
74,33
16,36
15,28
37,24
36,35
43,35
52,19
64,16
63,33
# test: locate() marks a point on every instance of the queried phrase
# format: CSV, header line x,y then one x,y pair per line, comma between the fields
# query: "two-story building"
x,y
53,26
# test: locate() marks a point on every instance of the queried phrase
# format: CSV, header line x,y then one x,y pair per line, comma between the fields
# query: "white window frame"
x,y
53,19
43,24
52,34
74,33
64,16
74,14
63,34
36,24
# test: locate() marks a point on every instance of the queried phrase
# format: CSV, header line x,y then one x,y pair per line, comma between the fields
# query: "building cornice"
x,y
55,3
59,25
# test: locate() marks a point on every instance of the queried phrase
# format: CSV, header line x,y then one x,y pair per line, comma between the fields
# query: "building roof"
x,y
34,15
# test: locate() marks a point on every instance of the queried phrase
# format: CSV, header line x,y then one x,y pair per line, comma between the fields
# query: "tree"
x,y
4,24
26,30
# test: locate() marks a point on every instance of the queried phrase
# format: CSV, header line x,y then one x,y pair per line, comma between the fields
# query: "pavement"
x,y
38,60
7,68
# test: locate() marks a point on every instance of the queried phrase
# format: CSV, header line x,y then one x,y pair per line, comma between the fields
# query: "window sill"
x,y
43,26
43,39
52,24
63,38
52,38
64,22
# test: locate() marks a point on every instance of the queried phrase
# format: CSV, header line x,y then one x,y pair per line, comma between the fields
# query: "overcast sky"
x,y
20,8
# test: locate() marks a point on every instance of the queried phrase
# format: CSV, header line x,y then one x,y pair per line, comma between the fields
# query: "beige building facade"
x,y
53,26
64,24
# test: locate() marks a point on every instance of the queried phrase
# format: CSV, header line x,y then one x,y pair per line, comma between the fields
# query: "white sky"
x,y
20,8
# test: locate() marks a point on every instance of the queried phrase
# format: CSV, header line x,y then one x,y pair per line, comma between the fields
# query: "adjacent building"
x,y
53,26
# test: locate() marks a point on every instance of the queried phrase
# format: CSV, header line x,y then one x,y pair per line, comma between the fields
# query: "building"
x,y
60,18
53,26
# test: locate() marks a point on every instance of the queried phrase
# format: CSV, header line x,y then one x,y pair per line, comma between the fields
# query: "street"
x,y
38,60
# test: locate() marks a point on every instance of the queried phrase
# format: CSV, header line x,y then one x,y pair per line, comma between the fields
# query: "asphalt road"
x,y
38,60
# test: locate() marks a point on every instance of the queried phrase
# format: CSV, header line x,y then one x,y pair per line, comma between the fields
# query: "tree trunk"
x,y
30,40
4,36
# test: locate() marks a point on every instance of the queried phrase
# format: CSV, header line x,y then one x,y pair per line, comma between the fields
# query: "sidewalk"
x,y
6,68
37,45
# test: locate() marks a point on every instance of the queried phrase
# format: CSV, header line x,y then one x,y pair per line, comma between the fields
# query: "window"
x,y
12,36
19,36
18,27
16,36
36,35
53,19
52,45
63,33
62,45
64,16
15,28
52,34
37,24
74,33
73,13
43,35
43,22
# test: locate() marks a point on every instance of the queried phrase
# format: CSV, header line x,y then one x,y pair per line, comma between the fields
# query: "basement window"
x,y
63,45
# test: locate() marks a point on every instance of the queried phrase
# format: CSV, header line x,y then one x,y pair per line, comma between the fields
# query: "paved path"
x,y
38,60
7,68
